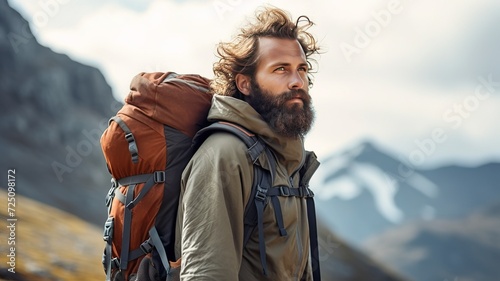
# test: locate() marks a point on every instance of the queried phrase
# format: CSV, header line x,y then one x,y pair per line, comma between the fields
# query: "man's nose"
x,y
296,81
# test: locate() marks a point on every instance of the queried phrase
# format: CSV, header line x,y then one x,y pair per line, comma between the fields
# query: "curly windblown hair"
x,y
241,54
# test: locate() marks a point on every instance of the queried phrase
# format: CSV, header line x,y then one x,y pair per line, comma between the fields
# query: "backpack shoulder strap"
x,y
254,144
262,183
255,147
262,187
306,172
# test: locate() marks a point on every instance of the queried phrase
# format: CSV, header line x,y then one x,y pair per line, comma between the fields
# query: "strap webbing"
x,y
130,202
313,238
119,196
108,237
134,179
286,191
111,195
129,137
154,241
278,214
127,220
149,179
250,216
156,177
254,144
259,206
155,237
145,248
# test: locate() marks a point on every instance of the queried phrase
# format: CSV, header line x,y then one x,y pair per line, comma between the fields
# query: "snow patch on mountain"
x,y
344,176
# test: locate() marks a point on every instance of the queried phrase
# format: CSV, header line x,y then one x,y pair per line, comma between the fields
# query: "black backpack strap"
x,y
254,144
306,172
313,238
263,181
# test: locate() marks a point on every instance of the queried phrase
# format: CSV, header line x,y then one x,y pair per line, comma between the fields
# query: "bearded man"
x,y
261,84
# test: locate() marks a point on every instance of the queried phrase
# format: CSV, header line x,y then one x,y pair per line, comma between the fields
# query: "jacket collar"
x,y
289,151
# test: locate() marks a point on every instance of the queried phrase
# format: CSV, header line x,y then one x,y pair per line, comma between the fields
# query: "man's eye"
x,y
303,69
281,68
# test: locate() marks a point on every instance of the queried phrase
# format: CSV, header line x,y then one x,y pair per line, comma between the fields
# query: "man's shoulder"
x,y
221,151
223,144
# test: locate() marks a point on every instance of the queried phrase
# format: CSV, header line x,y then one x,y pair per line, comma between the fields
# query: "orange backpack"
x,y
146,147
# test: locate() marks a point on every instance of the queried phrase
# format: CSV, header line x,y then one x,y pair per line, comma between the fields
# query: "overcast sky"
x,y
420,79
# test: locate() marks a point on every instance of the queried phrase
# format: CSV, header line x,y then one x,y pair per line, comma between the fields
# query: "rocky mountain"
x,y
425,224
52,114
372,191
443,249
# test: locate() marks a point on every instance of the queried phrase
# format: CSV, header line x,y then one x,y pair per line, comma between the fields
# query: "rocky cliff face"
x,y
52,112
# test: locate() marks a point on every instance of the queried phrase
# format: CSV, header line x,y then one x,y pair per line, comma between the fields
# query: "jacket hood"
x,y
289,151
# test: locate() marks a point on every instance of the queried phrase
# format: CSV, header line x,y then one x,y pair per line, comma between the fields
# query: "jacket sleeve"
x,y
215,188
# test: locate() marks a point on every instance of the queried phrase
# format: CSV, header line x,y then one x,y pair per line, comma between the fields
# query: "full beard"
x,y
286,119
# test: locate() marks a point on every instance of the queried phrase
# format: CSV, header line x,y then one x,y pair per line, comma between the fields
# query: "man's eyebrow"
x,y
279,64
288,64
304,64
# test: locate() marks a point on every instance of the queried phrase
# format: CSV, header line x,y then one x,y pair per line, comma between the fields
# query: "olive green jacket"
x,y
215,189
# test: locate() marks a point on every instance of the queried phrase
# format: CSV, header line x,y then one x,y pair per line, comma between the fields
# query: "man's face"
x,y
280,87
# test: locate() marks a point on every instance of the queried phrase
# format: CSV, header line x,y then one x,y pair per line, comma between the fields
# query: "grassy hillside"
x,y
50,244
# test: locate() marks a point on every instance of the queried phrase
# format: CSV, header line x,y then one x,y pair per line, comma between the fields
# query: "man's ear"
x,y
243,83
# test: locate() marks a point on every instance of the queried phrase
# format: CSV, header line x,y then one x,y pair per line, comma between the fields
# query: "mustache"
x,y
294,93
